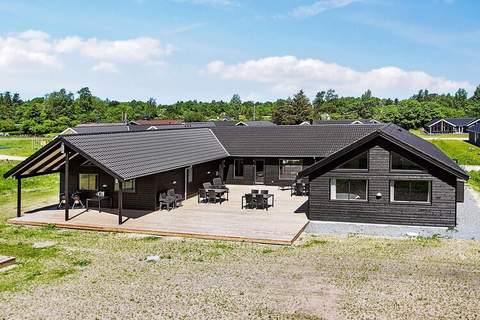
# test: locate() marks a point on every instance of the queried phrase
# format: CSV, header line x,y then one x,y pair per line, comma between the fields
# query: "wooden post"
x,y
120,202
65,180
19,196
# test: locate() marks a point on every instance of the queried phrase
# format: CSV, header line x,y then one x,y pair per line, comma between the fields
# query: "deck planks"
x,y
226,221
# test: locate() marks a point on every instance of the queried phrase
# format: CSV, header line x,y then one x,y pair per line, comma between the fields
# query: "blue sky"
x,y
210,49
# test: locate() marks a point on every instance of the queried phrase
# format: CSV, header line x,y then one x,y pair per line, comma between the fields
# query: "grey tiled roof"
x,y
404,139
135,154
461,122
290,141
475,128
98,128
259,123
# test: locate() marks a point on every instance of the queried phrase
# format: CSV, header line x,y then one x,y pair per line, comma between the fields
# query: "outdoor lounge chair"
x,y
217,183
249,201
212,196
261,202
167,201
202,196
207,185
178,197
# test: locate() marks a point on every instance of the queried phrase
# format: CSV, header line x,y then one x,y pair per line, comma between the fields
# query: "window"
x,y
128,186
359,162
238,168
87,181
349,189
410,191
400,163
289,168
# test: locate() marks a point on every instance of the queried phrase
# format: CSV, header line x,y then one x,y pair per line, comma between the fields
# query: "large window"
x,y
349,189
128,186
238,168
359,162
88,181
401,163
410,191
289,168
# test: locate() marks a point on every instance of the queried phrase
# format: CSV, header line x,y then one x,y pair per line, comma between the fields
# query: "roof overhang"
x,y
460,173
439,120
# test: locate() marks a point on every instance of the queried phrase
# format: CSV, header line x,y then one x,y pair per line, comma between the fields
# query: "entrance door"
x,y
259,167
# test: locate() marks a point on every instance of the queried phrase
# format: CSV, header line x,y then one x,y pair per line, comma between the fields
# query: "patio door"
x,y
259,169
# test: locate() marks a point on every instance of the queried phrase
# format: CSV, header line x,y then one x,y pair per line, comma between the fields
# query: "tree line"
x,y
61,109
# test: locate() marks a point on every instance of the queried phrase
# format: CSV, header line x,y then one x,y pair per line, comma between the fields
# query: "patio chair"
x,y
207,185
61,200
260,202
167,201
202,196
217,182
254,191
212,196
249,201
264,192
178,197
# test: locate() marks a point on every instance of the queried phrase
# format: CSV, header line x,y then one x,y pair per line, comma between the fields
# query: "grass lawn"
x,y
422,134
21,146
462,151
474,180
106,275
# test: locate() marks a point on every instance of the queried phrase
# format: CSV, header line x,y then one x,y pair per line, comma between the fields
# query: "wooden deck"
x,y
6,261
281,224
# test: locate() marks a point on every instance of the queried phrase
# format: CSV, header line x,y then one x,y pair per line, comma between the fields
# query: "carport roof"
x,y
129,155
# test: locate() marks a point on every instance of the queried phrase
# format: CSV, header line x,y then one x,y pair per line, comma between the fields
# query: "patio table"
x,y
265,196
99,200
219,191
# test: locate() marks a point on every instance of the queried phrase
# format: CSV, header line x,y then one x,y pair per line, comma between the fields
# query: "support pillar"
x,y
65,180
19,196
120,202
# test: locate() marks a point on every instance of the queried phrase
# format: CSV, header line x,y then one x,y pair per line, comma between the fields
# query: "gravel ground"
x,y
468,219
318,278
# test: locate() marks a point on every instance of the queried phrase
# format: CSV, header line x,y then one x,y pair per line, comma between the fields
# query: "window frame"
x,y
235,171
124,189
390,165
288,159
88,174
334,179
338,168
392,192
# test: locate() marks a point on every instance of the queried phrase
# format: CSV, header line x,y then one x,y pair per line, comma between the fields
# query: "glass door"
x,y
259,171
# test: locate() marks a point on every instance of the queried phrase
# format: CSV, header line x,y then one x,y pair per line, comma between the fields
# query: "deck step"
x,y
6,261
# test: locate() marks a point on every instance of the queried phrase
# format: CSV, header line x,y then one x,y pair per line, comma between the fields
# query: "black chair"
x,y
249,201
202,196
212,196
217,183
261,202
254,191
167,201
77,201
264,192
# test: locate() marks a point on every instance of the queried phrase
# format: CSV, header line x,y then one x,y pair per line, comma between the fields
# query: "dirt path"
x,y
12,158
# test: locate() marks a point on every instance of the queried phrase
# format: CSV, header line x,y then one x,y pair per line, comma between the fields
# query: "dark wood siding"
x,y
271,171
441,211
460,190
147,188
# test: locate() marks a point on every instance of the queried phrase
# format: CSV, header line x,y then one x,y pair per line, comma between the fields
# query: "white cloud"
x,y
286,74
26,51
36,50
320,6
107,67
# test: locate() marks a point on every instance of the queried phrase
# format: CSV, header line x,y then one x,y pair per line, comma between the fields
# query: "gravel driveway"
x,y
468,219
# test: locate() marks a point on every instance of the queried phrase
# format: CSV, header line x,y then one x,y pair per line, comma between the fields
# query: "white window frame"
x,y
234,171
392,192
421,169
356,169
333,189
